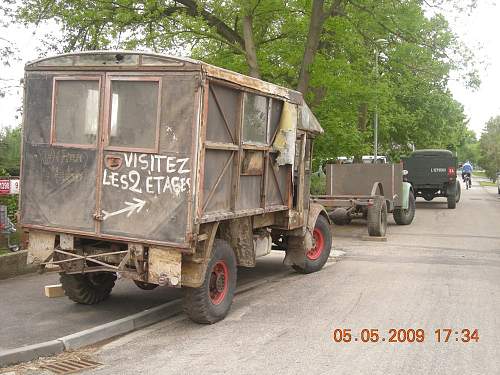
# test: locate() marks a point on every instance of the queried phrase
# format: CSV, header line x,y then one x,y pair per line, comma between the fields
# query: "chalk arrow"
x,y
130,209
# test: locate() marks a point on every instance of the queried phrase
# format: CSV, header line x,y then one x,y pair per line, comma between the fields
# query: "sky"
x,y
479,30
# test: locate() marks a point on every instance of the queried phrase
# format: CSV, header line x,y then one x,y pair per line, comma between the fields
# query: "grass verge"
x,y
487,183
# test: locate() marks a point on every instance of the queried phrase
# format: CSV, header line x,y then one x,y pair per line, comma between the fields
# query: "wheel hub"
x,y
218,282
318,244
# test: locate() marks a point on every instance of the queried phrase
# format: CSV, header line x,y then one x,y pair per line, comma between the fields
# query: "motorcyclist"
x,y
467,171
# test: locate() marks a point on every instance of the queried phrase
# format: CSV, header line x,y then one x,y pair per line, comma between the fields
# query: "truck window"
x,y
75,111
134,114
255,119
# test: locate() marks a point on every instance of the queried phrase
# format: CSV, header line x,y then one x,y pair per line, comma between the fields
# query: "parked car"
x,y
433,173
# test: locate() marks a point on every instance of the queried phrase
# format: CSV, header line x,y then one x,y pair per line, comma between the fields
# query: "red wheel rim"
x,y
319,243
219,280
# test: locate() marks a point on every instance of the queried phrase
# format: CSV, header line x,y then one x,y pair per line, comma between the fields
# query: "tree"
x,y
7,47
490,147
323,48
10,151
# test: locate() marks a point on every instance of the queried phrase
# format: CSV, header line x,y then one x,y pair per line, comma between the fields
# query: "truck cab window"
x,y
133,114
76,112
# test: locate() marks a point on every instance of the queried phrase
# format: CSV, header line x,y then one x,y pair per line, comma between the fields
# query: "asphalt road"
x,y
28,317
441,272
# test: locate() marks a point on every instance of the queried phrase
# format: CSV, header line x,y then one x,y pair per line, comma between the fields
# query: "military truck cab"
x,y
166,171
433,173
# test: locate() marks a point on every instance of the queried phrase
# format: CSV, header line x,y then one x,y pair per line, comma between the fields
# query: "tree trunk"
x,y
250,52
313,36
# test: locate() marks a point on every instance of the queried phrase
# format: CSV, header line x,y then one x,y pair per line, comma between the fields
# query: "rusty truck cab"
x,y
149,166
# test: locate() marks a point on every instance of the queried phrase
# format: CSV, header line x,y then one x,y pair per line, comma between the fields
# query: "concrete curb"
x,y
92,335
108,330
28,353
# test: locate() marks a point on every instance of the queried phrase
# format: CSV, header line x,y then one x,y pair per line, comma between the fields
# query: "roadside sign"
x,y
4,187
9,186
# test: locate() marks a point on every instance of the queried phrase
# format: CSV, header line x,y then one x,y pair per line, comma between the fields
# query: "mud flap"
x,y
297,249
299,245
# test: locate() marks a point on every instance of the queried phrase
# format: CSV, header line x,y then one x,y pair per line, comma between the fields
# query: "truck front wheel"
x,y
212,300
89,288
317,256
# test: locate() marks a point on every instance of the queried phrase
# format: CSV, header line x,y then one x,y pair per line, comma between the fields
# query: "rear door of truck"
x,y
110,154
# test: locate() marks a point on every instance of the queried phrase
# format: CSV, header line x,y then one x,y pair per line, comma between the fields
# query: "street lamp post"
x,y
375,117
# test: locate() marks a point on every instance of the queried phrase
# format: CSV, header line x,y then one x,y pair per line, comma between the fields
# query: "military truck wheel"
x,y
405,217
212,300
145,286
377,218
317,256
89,288
452,201
459,192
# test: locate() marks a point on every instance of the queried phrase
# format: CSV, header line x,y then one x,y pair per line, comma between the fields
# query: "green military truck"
x,y
433,173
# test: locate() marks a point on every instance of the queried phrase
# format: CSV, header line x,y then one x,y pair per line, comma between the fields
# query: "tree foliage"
x,y
326,49
490,147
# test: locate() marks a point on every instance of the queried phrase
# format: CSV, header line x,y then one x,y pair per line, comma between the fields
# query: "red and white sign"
x,y
9,186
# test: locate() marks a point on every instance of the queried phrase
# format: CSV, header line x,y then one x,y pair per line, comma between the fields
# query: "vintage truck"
x,y
433,173
166,171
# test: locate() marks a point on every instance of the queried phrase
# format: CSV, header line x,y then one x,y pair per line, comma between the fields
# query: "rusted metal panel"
x,y
217,184
58,186
149,195
164,266
253,83
222,114
358,179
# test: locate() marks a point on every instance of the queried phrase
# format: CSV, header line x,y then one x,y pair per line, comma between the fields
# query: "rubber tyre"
x,y
340,216
198,304
405,217
377,218
452,201
459,192
145,286
313,265
89,288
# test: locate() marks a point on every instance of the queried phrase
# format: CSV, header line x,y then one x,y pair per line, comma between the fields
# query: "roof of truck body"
x,y
432,152
145,61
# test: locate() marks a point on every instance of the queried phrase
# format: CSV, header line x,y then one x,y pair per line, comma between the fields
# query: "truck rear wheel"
x,y
212,300
452,201
317,256
89,288
459,192
405,217
377,218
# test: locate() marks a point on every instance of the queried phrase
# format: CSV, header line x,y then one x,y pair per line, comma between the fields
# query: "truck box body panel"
x,y
358,179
